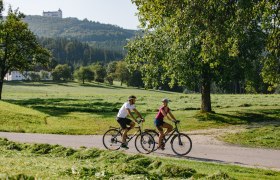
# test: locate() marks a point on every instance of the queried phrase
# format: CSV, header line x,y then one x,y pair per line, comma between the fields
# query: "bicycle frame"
x,y
139,131
175,130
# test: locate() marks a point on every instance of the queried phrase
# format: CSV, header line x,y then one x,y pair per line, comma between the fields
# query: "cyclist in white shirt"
x,y
124,122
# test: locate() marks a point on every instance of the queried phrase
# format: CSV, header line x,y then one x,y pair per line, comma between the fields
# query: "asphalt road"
x,y
205,148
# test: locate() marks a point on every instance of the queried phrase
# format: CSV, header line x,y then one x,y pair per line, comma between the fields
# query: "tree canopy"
x,y
19,48
198,41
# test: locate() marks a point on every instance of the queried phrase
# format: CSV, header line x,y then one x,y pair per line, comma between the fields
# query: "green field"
x,y
70,108
43,161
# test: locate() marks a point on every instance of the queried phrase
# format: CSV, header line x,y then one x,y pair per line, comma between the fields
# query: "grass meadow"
x,y
72,108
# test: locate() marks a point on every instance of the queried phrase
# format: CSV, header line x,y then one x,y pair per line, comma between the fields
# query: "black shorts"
x,y
124,122
158,123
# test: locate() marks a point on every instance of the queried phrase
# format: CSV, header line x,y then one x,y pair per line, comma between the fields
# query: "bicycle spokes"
x,y
181,144
112,139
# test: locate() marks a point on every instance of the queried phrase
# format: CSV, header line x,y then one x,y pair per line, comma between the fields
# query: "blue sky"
x,y
116,12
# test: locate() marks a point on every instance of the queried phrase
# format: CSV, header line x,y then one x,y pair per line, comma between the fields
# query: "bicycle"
x,y
112,139
181,143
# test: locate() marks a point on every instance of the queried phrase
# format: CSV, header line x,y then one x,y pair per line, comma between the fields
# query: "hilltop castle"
x,y
53,13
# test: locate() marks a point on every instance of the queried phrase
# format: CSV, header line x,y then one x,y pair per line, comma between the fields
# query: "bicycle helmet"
x,y
165,100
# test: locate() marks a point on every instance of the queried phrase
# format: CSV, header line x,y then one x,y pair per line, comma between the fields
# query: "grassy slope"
x,y
56,162
69,108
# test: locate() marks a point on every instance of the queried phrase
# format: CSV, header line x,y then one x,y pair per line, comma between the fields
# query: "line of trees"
x,y
99,72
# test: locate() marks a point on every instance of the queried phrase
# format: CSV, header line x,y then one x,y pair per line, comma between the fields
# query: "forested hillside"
x,y
96,34
76,53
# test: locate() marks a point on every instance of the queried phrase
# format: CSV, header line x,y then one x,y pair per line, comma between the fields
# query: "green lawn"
x,y
43,161
265,136
72,108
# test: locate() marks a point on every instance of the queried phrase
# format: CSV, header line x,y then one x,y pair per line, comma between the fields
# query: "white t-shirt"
x,y
123,111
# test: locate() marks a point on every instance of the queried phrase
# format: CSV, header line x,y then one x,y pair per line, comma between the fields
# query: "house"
x,y
27,75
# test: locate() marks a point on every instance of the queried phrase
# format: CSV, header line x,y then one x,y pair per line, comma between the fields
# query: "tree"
x,y
100,72
191,41
1,9
34,76
19,49
62,72
84,73
135,79
110,70
44,75
122,73
270,21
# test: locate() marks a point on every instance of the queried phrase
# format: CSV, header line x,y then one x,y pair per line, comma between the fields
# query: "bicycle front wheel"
x,y
144,143
181,144
112,139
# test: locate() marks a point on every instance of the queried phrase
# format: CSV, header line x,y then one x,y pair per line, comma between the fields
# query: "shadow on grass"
x,y
62,106
258,116
102,86
40,83
26,83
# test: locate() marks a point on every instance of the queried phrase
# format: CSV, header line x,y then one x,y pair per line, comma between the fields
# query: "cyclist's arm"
x,y
172,116
131,115
138,114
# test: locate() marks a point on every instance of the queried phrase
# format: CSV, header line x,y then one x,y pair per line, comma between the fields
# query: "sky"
x,y
116,12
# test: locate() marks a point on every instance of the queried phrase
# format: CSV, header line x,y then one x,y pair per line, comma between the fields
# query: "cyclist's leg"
x,y
168,127
161,135
158,124
130,125
122,122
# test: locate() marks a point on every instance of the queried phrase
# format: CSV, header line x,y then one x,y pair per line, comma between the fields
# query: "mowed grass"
x,y
43,161
267,136
72,108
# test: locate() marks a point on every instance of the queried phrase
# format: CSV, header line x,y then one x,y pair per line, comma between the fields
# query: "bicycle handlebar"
x,y
176,121
139,120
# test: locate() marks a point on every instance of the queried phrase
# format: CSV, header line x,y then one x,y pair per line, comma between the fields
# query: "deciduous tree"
x,y
192,41
84,74
19,49
62,72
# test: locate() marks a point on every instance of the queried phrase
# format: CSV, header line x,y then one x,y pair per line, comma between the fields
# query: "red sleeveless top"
x,y
160,116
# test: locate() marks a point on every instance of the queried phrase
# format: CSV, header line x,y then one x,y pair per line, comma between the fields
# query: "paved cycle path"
x,y
205,148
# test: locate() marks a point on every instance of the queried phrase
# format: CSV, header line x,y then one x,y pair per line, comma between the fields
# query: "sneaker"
x,y
162,146
123,145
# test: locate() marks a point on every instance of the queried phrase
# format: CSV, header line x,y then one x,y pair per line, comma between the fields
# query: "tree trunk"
x,y
205,89
1,87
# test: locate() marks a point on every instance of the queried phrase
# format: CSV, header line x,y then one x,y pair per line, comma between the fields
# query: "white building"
x,y
14,76
53,13
26,75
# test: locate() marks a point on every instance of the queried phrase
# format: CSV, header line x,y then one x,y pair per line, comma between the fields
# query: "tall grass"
x,y
43,161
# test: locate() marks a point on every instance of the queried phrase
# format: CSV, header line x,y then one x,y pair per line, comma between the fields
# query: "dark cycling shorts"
x,y
123,122
158,122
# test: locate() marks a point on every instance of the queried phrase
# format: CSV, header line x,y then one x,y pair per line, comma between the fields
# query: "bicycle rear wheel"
x,y
144,143
112,139
181,144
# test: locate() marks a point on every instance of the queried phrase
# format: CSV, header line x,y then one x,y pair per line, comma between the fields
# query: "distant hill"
x,y
96,34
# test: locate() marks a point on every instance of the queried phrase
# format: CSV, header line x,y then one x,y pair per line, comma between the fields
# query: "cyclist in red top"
x,y
164,111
